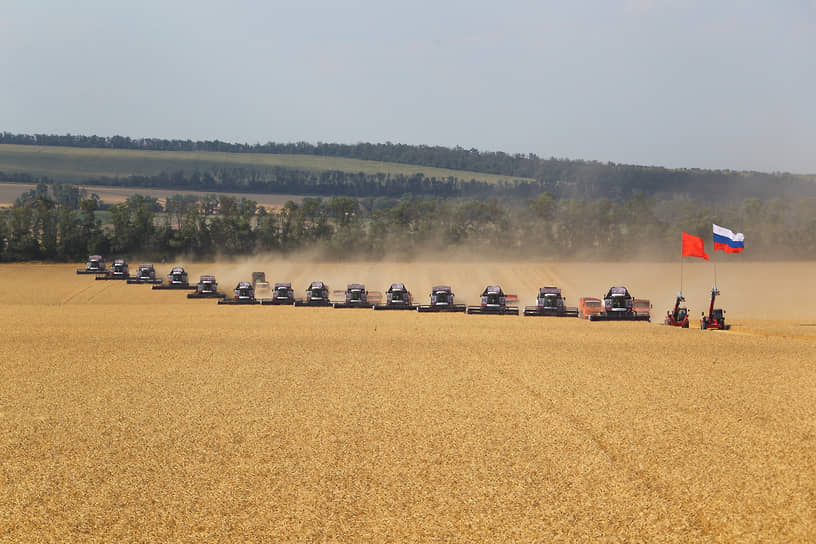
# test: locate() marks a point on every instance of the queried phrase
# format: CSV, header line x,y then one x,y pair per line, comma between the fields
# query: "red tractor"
x,y
678,317
716,316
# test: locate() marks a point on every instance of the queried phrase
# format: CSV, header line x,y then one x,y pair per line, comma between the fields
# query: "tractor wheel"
x,y
686,325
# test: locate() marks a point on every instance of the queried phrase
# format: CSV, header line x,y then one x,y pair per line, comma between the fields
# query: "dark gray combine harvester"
x,y
617,306
207,288
316,295
494,302
176,279
282,295
95,265
397,297
118,271
549,302
145,274
442,298
355,296
244,293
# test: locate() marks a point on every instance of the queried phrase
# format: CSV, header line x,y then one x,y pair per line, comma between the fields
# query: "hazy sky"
x,y
709,84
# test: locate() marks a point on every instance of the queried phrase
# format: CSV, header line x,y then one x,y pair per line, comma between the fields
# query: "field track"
x,y
132,415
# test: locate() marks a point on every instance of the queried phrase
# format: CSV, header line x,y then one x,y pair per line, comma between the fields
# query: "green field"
x,y
74,164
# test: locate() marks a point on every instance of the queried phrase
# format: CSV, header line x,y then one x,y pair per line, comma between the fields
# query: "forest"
x,y
59,222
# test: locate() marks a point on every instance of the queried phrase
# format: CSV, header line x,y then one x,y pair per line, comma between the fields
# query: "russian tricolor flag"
x,y
726,240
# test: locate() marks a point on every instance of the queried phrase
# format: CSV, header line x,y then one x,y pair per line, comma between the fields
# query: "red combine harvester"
x,y
549,302
176,279
95,265
397,297
316,295
145,274
678,317
282,295
207,288
494,302
716,316
442,298
118,271
244,293
618,306
356,296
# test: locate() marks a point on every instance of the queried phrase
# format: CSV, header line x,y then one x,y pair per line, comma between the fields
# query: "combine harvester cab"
x,y
176,279
244,293
355,296
678,316
589,306
494,302
442,300
316,295
282,295
145,274
95,265
618,305
207,287
715,320
397,297
118,271
549,302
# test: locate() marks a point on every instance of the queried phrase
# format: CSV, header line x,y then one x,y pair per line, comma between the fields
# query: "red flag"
x,y
693,246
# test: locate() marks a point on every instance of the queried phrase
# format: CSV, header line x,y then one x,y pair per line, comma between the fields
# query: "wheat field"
x,y
129,415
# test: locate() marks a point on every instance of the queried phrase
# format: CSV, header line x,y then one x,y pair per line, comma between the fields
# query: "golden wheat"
x,y
132,415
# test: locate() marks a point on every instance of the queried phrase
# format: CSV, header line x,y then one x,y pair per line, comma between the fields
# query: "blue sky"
x,y
720,84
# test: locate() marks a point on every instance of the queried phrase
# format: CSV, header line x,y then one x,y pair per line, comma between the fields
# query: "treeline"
x,y
560,177
61,223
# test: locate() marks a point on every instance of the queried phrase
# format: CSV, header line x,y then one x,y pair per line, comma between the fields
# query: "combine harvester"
x,y
118,271
176,279
549,302
494,302
397,297
716,316
316,295
677,317
618,306
207,288
262,288
145,274
282,295
442,301
589,306
243,294
95,265
356,296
